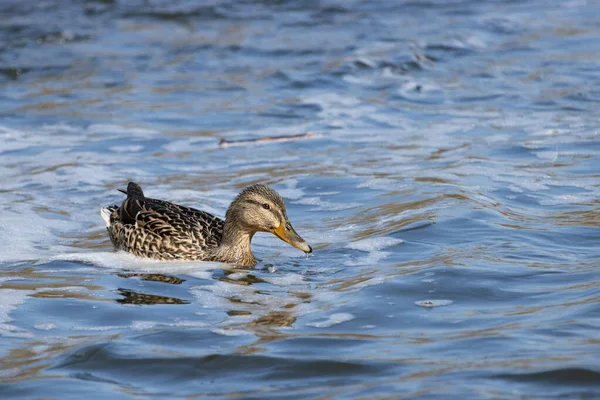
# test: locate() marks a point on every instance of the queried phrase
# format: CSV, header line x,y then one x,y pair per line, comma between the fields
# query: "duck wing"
x,y
164,218
161,229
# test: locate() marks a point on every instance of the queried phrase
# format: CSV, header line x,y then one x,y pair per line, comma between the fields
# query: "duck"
x,y
162,230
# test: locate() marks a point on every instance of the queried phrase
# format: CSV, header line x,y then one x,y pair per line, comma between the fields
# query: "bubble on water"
x,y
433,303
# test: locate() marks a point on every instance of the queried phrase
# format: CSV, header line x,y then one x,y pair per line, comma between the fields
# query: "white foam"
x,y
10,278
45,326
24,235
342,111
382,184
291,191
126,149
187,324
564,199
120,130
39,348
374,244
101,328
230,332
143,325
285,280
333,319
122,260
325,205
258,302
373,258
10,299
43,158
236,276
515,189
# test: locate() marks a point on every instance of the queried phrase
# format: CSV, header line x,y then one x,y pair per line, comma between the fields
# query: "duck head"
x,y
258,208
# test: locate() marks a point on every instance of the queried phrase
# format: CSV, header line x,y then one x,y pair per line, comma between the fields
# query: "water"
x,y
450,194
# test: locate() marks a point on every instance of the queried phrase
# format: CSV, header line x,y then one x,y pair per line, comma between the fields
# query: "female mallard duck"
x,y
162,230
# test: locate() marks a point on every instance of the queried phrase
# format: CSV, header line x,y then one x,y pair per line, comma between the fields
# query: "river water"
x,y
451,193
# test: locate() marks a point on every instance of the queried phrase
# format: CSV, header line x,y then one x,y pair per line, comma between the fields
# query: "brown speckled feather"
x,y
162,230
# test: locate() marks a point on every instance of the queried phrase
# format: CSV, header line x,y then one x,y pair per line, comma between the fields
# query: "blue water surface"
x,y
450,190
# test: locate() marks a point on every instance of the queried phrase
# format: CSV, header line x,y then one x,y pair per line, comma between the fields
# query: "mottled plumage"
x,y
162,230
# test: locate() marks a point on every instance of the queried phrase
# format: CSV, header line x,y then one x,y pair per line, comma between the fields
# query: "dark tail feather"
x,y
134,191
132,204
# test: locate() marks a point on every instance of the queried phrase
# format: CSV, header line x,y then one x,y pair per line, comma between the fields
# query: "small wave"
x,y
562,376
108,362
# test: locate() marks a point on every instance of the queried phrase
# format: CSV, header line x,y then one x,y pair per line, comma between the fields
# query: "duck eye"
x,y
266,206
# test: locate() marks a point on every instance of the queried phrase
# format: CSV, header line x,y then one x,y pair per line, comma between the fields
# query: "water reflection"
x,y
172,280
131,297
246,279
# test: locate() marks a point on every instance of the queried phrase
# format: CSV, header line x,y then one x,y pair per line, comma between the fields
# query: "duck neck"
x,y
235,245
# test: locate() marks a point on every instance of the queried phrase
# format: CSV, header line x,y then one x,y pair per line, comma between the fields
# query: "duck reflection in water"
x,y
239,306
173,280
131,297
